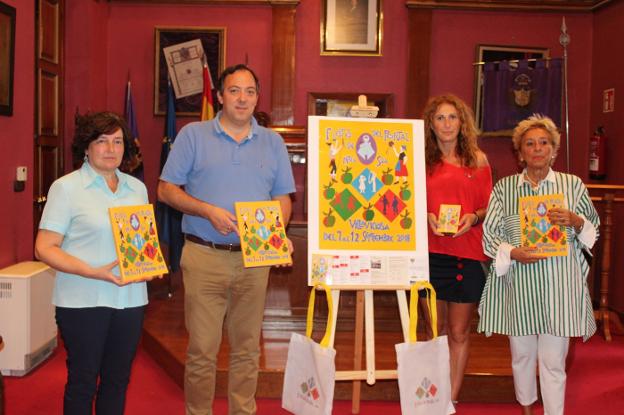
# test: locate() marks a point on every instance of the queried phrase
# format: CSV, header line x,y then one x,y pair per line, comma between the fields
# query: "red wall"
x,y
316,73
607,63
129,48
105,41
456,34
16,145
126,44
86,27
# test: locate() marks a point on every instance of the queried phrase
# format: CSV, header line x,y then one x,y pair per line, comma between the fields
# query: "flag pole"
x,y
564,40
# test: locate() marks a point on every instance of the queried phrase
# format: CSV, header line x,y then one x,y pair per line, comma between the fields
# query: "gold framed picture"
x,y
351,27
213,43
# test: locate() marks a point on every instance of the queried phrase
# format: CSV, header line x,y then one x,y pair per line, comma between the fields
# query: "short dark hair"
x,y
92,125
235,68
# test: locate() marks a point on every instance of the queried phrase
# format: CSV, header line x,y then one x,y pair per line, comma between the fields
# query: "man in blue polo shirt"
x,y
212,165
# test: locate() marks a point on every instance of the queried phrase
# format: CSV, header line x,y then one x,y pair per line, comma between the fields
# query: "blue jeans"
x,y
101,342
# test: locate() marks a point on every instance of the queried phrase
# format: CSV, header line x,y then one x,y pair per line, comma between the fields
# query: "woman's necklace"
x,y
533,183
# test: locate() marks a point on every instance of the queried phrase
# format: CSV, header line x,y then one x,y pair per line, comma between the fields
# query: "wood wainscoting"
x,y
488,376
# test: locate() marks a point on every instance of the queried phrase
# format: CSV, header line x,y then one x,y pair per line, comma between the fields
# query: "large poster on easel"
x,y
367,223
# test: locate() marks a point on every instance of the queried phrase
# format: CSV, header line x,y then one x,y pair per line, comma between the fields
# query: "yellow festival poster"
x,y
263,237
136,242
365,206
536,229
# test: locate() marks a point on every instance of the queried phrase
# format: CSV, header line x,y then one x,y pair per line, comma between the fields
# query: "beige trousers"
x,y
218,287
550,353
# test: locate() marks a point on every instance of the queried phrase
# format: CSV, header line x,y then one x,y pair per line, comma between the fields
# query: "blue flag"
x,y
135,165
168,219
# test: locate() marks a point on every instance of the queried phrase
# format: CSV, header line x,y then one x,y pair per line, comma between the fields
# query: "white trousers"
x,y
550,352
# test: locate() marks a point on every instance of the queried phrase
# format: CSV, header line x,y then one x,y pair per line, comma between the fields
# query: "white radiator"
x,y
27,322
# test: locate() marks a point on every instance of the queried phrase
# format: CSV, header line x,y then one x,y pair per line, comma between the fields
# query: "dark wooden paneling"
x,y
48,146
488,375
287,294
283,65
49,44
295,139
48,103
539,5
288,291
212,2
565,6
603,274
317,101
49,162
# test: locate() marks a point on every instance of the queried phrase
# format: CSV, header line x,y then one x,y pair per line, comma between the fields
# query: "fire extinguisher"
x,y
598,155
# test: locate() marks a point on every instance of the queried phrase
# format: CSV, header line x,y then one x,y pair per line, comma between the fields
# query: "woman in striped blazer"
x,y
539,301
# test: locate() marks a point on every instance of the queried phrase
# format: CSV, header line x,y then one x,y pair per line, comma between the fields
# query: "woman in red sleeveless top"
x,y
458,173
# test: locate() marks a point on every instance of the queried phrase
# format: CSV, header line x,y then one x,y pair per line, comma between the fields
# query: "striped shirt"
x,y
551,295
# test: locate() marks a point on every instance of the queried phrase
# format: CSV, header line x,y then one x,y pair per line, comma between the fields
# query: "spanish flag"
x,y
207,111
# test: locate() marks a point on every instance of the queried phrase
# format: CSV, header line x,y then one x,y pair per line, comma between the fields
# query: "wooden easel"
x,y
365,320
364,311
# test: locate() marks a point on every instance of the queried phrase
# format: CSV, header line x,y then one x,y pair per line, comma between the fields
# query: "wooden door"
x,y
48,134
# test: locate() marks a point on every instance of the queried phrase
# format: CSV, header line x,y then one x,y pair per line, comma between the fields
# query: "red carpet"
x,y
595,386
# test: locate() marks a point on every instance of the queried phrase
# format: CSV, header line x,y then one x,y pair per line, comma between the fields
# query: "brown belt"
x,y
224,247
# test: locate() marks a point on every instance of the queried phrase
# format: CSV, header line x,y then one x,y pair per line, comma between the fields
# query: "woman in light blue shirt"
x,y
98,316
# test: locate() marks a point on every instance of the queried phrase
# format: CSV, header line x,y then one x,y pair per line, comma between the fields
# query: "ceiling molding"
x,y
215,2
514,5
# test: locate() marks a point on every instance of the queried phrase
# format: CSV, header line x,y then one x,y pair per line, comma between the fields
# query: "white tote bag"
x,y
310,369
423,367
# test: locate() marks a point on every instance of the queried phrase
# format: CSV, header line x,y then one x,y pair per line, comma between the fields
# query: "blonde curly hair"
x,y
533,122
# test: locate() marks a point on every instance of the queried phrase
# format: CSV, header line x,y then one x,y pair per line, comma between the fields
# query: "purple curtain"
x,y
511,94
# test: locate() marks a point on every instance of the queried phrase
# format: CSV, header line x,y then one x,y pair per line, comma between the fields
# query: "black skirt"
x,y
455,279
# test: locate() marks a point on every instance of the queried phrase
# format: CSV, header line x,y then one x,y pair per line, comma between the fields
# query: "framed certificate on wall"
x,y
212,40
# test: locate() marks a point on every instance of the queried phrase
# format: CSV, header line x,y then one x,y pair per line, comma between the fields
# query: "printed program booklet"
x,y
536,229
448,219
262,233
136,242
